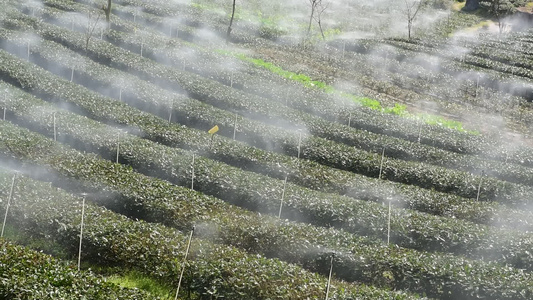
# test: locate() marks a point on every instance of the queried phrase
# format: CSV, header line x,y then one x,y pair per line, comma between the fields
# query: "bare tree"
x,y
320,9
107,11
411,11
228,33
89,30
314,4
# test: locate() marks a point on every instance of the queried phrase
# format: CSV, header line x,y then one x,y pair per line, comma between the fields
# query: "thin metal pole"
x,y
235,126
8,204
479,186
170,114
184,261
282,196
81,230
55,128
28,50
388,224
381,164
329,277
192,176
72,75
299,144
4,113
211,141
350,120
419,132
477,84
118,147
120,94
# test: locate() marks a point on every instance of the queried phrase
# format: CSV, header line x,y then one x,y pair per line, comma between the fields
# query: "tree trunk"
x,y
321,31
310,19
108,11
228,33
471,5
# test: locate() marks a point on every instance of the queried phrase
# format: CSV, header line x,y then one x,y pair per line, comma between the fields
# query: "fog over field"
x,y
377,150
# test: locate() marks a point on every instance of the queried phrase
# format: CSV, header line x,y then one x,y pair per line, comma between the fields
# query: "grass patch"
x,y
134,279
397,109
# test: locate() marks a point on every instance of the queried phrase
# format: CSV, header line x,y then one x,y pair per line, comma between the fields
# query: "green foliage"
x,y
449,276
153,198
136,279
397,109
211,269
27,274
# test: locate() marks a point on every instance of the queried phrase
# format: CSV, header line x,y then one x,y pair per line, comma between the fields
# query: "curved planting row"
x,y
125,115
510,82
328,153
302,172
408,228
395,147
356,259
511,52
156,101
28,274
210,269
360,117
227,98
476,83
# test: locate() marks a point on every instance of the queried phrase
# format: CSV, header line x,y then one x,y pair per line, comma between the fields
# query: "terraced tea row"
x,y
29,274
302,172
356,114
158,200
374,171
159,251
408,228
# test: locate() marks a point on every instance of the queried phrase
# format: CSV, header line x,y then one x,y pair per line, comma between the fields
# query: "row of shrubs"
x,y
346,158
356,259
408,228
28,274
302,172
371,142
211,270
495,71
313,101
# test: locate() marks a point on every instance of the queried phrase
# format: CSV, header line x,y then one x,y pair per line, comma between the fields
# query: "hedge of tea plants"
x,y
211,269
304,173
406,172
288,240
28,274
